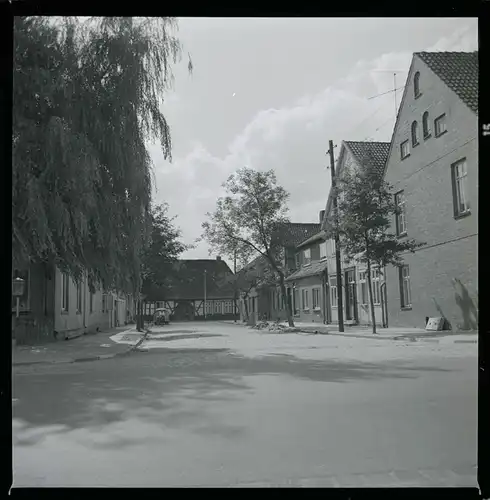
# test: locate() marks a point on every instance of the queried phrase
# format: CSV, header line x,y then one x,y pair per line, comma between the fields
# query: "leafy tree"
x,y
247,218
366,207
87,98
163,250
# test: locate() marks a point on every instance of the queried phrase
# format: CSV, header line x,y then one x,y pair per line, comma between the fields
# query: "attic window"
x,y
425,125
415,134
416,85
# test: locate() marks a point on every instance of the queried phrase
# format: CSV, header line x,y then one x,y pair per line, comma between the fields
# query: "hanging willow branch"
x,y
87,98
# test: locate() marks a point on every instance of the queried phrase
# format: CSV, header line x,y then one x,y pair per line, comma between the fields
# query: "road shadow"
x,y
174,389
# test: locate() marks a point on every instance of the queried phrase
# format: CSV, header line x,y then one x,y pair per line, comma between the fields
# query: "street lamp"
x,y
18,286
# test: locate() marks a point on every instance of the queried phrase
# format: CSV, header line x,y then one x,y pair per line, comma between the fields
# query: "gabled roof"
x,y
458,70
291,234
368,154
443,65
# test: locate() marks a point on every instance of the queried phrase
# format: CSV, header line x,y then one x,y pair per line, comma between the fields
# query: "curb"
x,y
87,358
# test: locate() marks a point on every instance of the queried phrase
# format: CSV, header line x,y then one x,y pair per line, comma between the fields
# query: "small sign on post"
x,y
18,285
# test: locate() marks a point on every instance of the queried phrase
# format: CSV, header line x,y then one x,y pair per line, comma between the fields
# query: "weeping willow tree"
x,y
87,99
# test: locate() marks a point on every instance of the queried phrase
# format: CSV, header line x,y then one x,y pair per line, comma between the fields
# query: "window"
x,y
404,149
91,302
307,257
316,298
401,223
333,292
405,294
79,297
364,290
297,260
323,250
296,301
304,296
65,294
104,302
460,198
416,85
415,134
217,307
440,125
426,125
376,286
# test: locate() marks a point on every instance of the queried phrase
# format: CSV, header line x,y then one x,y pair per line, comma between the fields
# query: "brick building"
x,y
433,165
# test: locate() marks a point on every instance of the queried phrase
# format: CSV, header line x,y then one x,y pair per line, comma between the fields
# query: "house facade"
x,y
55,307
433,166
354,156
266,300
309,280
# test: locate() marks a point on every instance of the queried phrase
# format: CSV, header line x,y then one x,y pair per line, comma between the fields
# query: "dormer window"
x,y
323,250
415,134
297,260
307,257
416,85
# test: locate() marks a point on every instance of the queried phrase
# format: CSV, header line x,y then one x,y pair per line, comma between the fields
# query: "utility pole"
x,y
205,291
235,290
340,310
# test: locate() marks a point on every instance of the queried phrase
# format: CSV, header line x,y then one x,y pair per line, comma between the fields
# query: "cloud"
x,y
293,140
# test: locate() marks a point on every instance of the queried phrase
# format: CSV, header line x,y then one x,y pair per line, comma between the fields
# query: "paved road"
x,y
212,417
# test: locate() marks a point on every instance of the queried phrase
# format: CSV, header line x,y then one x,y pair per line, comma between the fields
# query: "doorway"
x,y
350,296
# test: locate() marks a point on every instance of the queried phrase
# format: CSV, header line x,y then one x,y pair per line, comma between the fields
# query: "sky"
x,y
269,93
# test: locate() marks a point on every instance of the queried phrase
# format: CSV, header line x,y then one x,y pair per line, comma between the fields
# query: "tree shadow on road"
x,y
174,389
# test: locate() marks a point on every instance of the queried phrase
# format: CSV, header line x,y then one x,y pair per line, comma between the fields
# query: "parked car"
x,y
161,316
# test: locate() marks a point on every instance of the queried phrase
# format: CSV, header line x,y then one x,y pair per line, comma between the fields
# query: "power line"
x,y
389,91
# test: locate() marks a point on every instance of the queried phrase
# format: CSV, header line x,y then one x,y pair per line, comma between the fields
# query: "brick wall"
x,y
443,275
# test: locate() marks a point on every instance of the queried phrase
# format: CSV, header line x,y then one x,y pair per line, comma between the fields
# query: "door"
x,y
350,296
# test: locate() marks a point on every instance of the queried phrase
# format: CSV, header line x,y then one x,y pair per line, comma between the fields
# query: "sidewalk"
x,y
394,333
89,347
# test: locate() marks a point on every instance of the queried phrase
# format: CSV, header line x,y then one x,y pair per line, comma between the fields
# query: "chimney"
x,y
218,258
322,215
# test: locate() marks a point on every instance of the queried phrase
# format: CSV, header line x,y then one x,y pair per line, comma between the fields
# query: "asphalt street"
x,y
309,415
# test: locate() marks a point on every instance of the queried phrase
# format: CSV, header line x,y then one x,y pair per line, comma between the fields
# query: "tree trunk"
x,y
140,322
245,302
284,294
371,300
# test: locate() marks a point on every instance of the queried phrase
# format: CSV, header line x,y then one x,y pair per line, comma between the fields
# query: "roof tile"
x,y
458,70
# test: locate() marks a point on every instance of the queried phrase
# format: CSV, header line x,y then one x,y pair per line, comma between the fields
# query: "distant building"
x,y
197,289
433,165
266,301
309,280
